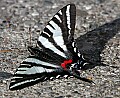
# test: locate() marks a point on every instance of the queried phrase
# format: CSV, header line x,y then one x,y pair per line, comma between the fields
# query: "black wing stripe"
x,y
50,52
72,21
45,35
44,56
48,31
64,22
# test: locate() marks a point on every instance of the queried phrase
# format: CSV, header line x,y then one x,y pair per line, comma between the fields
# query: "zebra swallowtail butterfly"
x,y
55,54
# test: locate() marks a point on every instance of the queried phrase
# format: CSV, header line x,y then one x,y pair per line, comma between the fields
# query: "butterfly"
x,y
55,54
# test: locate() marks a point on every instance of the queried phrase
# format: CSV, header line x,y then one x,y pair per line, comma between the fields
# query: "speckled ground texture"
x,y
98,38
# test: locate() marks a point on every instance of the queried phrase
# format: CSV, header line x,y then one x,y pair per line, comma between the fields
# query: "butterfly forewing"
x,y
58,33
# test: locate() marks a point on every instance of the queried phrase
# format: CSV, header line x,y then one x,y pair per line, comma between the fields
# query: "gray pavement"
x,y
98,38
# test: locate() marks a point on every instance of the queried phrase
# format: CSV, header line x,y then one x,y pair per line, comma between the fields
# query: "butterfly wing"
x,y
57,37
55,45
31,71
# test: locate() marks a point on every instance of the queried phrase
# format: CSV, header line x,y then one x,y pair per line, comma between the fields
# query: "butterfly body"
x,y
55,54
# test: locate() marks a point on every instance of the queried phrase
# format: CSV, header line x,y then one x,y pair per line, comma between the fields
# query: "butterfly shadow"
x,y
5,75
93,42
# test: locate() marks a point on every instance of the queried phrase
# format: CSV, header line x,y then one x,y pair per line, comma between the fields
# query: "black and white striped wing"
x,y
31,71
57,37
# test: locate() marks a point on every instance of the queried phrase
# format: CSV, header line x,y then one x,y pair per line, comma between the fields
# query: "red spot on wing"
x,y
64,64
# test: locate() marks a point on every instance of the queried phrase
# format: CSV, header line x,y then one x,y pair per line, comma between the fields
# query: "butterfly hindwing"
x,y
31,71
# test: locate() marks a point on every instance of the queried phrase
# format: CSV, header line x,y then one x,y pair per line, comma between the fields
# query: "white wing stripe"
x,y
20,72
25,64
73,44
34,60
79,54
15,77
75,49
56,16
60,12
24,68
34,70
68,17
49,70
57,76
